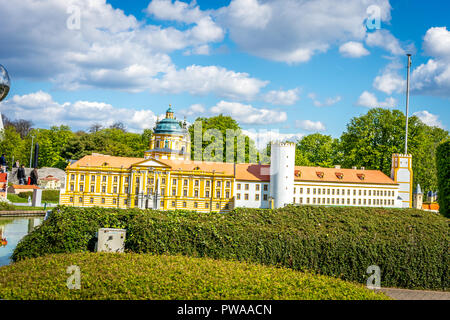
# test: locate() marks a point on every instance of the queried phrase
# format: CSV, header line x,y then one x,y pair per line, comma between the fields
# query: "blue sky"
x,y
296,66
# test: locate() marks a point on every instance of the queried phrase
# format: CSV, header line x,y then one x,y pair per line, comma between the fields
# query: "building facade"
x,y
167,179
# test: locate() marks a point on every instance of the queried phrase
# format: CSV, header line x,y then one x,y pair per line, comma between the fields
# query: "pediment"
x,y
151,163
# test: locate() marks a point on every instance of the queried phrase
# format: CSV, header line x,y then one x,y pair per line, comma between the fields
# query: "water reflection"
x,y
12,230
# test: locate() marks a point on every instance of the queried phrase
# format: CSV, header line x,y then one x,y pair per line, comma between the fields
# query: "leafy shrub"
x,y
443,174
410,246
142,276
5,206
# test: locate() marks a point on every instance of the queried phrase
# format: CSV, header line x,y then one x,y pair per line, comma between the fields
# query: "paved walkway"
x,y
405,294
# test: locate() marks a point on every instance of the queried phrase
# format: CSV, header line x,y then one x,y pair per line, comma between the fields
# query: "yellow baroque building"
x,y
167,179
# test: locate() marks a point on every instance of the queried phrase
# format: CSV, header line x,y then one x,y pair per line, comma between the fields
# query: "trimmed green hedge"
x,y
443,174
141,276
410,246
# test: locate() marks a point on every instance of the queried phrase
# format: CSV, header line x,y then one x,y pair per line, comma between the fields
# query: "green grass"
x,y
16,199
144,276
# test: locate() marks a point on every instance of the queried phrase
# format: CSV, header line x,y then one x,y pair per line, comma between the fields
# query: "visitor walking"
x,y
21,174
3,163
34,176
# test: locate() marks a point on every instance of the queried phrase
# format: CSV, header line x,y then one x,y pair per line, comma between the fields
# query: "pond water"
x,y
13,230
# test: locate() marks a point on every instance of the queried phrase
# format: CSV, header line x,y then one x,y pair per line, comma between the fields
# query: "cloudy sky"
x,y
294,66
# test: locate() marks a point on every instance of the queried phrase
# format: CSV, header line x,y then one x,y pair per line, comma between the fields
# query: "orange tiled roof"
x,y
430,206
348,175
189,165
97,160
252,172
24,186
49,178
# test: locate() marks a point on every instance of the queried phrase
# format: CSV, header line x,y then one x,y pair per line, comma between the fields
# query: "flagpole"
x,y
407,102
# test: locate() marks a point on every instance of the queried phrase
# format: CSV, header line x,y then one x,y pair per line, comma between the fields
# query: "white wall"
x,y
251,202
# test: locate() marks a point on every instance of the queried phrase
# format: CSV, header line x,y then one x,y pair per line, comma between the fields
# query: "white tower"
x,y
282,162
402,174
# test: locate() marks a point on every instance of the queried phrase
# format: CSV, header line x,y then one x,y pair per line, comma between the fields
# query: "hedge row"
x,y
411,247
141,276
443,174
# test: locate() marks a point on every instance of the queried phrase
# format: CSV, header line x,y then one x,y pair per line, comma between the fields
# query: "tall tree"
x,y
214,135
371,139
317,150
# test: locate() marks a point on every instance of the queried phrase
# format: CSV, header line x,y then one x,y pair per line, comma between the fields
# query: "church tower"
x,y
402,174
170,140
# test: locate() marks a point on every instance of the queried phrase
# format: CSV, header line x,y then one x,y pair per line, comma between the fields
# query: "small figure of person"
x,y
34,176
3,163
21,174
16,164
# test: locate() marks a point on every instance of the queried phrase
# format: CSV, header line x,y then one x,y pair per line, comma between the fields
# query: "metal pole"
x,y
31,152
407,102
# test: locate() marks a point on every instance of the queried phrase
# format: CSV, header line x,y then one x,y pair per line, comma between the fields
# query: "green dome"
x,y
168,126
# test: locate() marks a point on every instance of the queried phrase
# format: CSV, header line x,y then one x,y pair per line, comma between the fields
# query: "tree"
x,y
317,150
23,127
219,126
371,139
95,128
443,174
12,145
118,125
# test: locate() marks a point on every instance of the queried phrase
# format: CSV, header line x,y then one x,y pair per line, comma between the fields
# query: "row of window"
x,y
196,205
365,192
246,196
388,202
125,202
247,187
151,181
102,200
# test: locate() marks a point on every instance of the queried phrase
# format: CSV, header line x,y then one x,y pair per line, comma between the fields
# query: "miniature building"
x,y
19,188
418,198
50,182
167,179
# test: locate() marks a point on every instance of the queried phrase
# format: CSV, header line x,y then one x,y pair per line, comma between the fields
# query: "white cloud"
x,y
280,97
328,101
429,118
369,100
309,125
263,137
384,39
114,50
293,31
248,114
175,11
437,42
353,49
194,110
40,108
201,80
390,81
433,77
